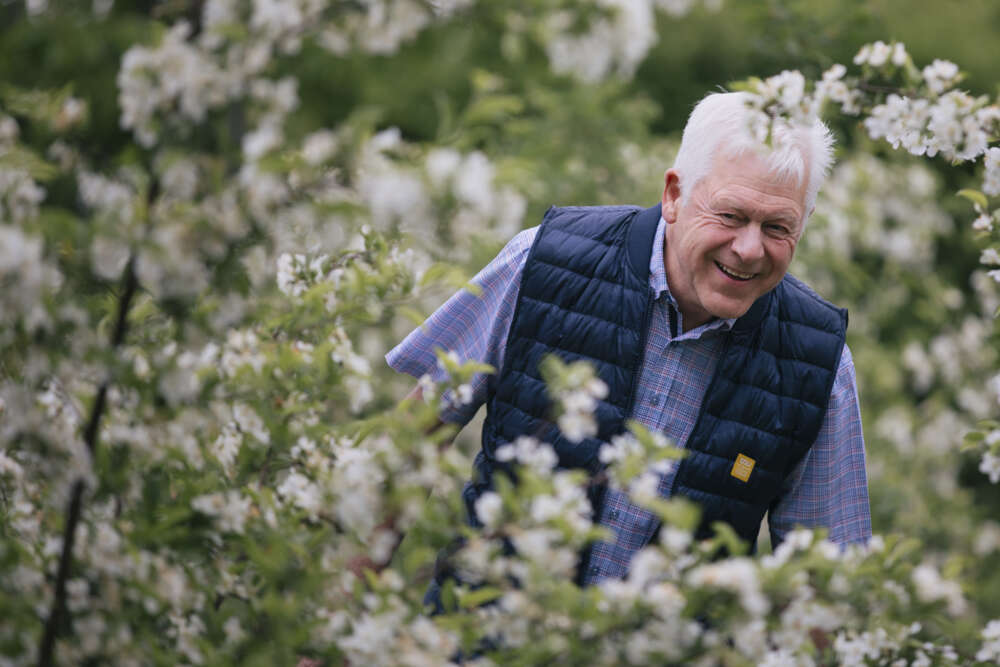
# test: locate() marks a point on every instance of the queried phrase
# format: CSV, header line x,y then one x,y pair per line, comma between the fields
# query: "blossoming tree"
x,y
198,444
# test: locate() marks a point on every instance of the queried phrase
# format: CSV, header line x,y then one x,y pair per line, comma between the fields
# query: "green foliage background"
x,y
472,84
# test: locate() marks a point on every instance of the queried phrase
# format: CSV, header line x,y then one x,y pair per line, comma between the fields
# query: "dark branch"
x,y
47,647
65,561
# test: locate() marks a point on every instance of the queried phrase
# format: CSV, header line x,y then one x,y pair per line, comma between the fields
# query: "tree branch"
x,y
90,432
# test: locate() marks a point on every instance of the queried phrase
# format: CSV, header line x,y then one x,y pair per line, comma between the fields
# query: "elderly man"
x,y
687,313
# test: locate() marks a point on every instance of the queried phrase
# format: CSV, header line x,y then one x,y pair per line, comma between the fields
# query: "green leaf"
x,y
412,314
681,513
448,275
972,441
18,157
726,537
975,196
750,85
478,367
479,597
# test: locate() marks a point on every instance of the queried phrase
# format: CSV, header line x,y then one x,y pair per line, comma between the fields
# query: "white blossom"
x,y
442,164
172,264
991,177
23,263
299,490
20,195
226,447
737,575
990,465
577,425
249,422
528,451
940,75
878,53
262,140
853,649
233,630
241,349
108,257
154,80
990,256
36,7
230,509
463,394
290,270
620,447
932,587
612,44
187,630
319,146
358,479
990,650
489,507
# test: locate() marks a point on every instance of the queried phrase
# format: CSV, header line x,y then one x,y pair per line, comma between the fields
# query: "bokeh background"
x,y
454,128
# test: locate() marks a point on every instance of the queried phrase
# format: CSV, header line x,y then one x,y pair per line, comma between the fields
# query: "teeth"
x,y
735,274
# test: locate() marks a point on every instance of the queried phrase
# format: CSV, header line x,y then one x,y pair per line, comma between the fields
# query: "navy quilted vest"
x,y
585,294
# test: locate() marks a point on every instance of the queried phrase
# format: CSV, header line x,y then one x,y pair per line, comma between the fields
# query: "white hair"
x,y
723,120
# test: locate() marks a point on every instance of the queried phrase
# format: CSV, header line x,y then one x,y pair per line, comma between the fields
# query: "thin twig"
x,y
90,432
874,88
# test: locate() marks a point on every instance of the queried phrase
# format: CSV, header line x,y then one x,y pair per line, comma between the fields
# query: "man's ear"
x,y
671,202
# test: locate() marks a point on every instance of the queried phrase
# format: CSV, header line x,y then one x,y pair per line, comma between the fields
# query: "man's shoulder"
x,y
576,215
628,230
592,210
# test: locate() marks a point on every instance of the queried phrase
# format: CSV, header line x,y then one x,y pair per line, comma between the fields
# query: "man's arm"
x,y
473,327
830,487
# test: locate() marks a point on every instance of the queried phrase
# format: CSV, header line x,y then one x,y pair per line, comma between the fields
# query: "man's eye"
x,y
730,216
778,230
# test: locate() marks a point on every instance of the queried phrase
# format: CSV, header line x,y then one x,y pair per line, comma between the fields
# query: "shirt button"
x,y
594,569
614,514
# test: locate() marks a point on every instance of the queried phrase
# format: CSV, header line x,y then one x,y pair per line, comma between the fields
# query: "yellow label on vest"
x,y
742,467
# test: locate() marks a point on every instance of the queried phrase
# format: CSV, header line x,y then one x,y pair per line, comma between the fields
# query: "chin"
x,y
731,311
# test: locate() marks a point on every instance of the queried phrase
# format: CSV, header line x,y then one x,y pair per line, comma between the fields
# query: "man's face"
x,y
734,238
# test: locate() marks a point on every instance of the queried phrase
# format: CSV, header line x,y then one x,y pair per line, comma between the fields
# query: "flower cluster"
x,y
250,485
614,42
576,391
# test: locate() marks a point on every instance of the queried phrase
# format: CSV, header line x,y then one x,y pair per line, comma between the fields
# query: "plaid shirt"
x,y
828,489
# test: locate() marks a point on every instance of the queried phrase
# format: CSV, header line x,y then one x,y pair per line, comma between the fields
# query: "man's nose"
x,y
748,243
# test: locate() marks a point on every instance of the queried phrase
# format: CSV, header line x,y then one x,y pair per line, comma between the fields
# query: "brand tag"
x,y
742,467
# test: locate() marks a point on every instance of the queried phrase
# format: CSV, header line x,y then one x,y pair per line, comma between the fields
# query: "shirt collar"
x,y
658,280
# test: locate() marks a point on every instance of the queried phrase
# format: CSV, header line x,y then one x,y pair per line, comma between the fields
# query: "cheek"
x,y
782,252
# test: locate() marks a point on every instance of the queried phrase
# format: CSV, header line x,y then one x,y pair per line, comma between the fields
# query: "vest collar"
x,y
640,241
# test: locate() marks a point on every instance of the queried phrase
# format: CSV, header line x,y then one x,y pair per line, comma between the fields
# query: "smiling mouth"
x,y
735,275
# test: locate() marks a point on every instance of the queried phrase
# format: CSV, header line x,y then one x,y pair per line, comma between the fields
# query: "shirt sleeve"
x,y
473,327
830,487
